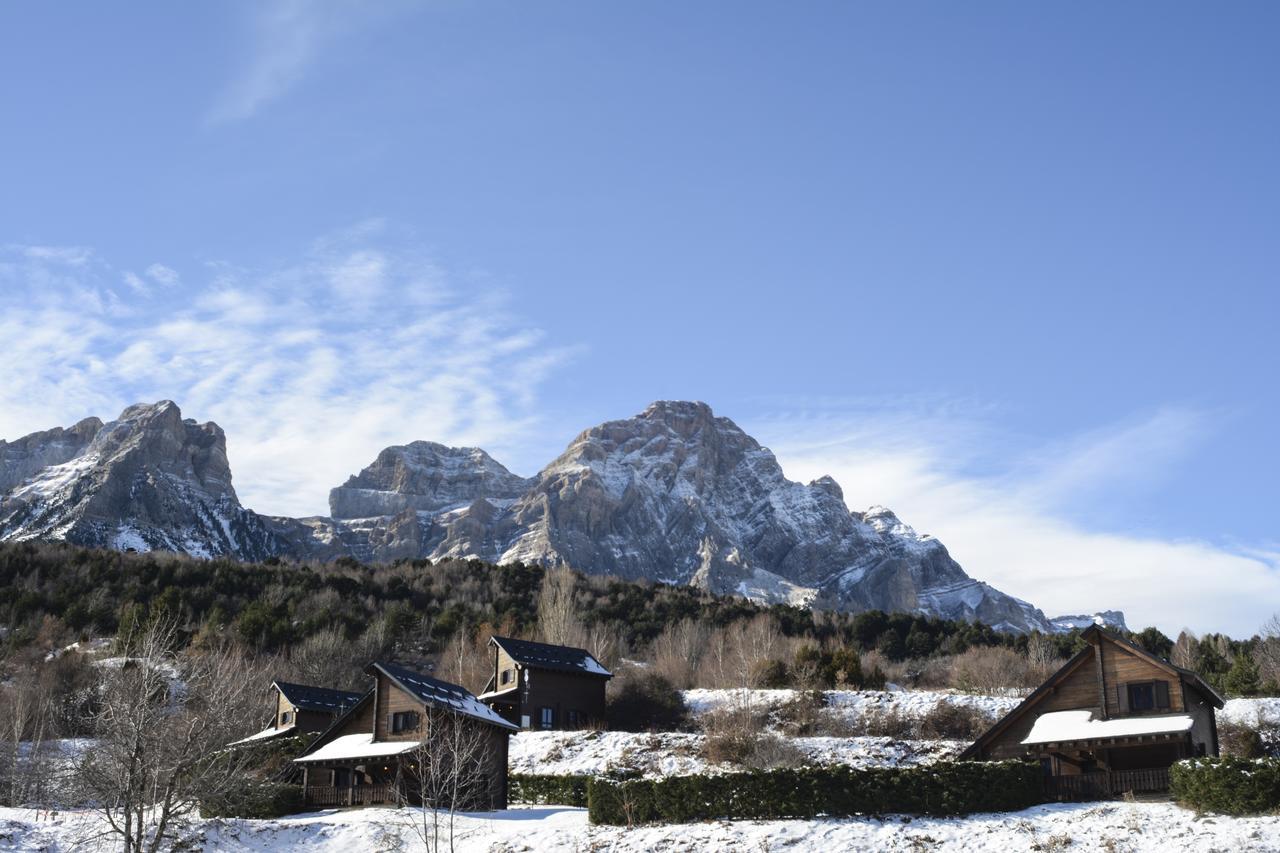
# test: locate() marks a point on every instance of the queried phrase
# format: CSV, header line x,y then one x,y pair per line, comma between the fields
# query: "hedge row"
x,y
563,790
1231,786
256,800
946,788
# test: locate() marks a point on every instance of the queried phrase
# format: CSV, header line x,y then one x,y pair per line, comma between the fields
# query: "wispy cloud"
x,y
1011,517
311,367
283,39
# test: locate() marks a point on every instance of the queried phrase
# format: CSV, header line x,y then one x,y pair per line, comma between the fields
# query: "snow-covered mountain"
x,y
674,494
1104,619
147,480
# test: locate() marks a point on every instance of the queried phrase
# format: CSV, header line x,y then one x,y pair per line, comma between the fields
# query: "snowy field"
x,y
677,754
1115,827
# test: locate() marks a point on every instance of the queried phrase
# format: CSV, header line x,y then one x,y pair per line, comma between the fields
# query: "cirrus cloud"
x,y
311,367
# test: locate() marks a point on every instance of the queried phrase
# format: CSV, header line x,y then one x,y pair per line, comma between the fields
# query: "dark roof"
x,y
338,721
308,698
547,656
1026,704
441,694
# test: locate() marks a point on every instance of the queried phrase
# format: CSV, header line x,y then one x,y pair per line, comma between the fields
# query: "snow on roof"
x,y
443,694
1060,726
262,735
358,746
547,656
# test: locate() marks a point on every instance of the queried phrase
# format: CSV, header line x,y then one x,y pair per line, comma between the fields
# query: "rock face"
x,y
674,494
148,480
1104,619
424,477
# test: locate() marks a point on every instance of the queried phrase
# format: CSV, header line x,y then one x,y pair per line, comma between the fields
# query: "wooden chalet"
x,y
1112,720
541,686
303,709
383,749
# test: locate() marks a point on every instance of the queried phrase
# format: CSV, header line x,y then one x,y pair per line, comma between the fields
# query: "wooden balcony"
x,y
1107,785
351,795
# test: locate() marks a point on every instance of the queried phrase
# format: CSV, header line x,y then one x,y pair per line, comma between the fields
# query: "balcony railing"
x,y
351,795
1105,785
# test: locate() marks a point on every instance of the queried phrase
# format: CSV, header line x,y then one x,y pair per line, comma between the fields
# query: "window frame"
x,y
405,721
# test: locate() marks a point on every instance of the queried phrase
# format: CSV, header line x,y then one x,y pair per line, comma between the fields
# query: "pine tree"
x,y
1242,679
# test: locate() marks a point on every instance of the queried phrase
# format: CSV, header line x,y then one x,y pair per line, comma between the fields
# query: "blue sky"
x,y
1007,268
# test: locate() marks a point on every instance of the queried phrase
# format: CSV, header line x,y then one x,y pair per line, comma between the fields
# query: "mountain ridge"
x,y
674,494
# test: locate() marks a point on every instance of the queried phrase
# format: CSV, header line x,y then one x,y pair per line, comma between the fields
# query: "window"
x,y
546,717
1140,696
505,677
573,718
286,717
404,721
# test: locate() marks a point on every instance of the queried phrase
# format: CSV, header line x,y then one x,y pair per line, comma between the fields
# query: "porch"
x,y
1106,784
333,796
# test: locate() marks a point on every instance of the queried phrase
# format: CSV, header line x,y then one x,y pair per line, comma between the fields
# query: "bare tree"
x,y
329,659
26,714
1267,652
678,650
449,769
1042,655
558,620
1185,652
161,730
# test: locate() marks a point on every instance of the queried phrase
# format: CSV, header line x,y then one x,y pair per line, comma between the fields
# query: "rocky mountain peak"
x,y
424,476
674,494
148,479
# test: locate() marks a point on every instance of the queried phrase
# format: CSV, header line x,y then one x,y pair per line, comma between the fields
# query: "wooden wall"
x,y
562,691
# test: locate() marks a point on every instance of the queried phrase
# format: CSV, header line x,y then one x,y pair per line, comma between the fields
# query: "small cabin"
x,y
393,744
1112,720
542,686
303,709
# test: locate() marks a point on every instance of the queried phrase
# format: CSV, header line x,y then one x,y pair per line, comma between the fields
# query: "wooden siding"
x,y
502,661
562,692
1122,666
1084,688
283,706
1079,690
391,700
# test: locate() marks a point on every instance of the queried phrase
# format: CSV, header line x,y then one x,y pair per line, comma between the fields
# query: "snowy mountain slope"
x,y
147,480
673,494
680,495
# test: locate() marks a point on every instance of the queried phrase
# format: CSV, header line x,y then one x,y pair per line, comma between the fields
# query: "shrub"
x,y
542,790
645,701
954,721
802,715
888,722
1232,786
772,674
991,671
256,800
1240,740
947,788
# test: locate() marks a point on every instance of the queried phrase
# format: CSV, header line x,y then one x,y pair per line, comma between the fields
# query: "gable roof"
x,y
336,726
440,694
308,698
1093,632
546,656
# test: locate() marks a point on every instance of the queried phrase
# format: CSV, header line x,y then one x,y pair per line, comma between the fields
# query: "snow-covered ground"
x,y
677,754
1263,710
851,703
1118,827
